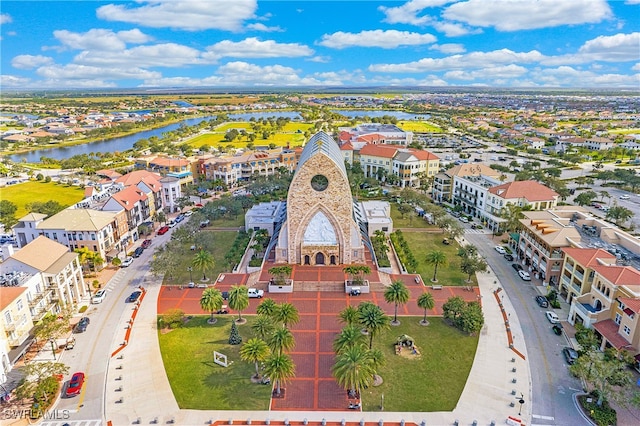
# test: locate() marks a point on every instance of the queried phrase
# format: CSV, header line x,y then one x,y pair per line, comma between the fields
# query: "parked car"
x,y
557,329
255,293
524,275
99,296
570,355
509,257
127,262
500,249
75,384
518,267
542,301
552,317
624,197
464,219
82,325
172,224
163,230
133,298
204,223
146,244
188,213
138,252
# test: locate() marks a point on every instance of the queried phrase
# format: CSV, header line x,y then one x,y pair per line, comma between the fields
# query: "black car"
x,y
134,297
509,257
557,329
570,355
138,252
542,301
517,267
81,326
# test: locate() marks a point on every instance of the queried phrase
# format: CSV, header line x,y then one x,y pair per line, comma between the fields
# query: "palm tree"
x,y
281,340
212,301
357,272
255,350
287,314
281,273
204,261
373,319
267,307
238,299
353,369
349,336
436,257
426,302
279,368
263,326
348,315
397,294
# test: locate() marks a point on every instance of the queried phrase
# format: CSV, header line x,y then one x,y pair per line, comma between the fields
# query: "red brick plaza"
x,y
313,388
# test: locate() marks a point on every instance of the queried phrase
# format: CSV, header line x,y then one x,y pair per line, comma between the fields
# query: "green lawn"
x,y
419,126
23,193
422,243
218,243
432,382
200,384
410,220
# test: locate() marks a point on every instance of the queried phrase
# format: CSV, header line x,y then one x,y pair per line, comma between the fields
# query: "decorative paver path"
x,y
313,388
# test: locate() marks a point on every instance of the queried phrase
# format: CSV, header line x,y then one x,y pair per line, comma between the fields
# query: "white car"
x,y
188,213
524,275
128,261
99,297
552,317
500,250
624,197
254,293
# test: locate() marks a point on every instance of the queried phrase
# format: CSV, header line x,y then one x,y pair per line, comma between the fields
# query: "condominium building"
x,y
467,183
375,134
232,170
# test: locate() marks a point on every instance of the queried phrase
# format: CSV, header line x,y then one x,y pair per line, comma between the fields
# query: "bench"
x,y
436,287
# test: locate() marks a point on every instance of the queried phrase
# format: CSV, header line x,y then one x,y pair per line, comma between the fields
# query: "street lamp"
x,y
190,269
521,402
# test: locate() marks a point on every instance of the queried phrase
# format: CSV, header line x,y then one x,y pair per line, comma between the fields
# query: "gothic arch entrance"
x,y
319,259
307,260
332,260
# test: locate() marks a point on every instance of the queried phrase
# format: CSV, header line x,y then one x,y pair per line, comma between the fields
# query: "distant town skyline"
x,y
250,44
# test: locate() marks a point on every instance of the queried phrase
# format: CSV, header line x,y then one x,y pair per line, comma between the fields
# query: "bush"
x,y
602,416
172,318
83,309
47,179
234,337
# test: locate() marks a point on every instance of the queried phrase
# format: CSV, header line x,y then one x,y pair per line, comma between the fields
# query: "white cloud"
x,y
13,81
83,72
408,12
619,47
158,55
490,73
448,48
571,77
5,18
189,15
320,59
262,27
27,62
254,48
100,39
513,15
467,61
636,67
389,39
632,2
454,30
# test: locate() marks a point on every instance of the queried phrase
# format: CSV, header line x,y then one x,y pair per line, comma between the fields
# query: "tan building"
x,y
539,244
15,325
232,170
320,228
578,273
467,178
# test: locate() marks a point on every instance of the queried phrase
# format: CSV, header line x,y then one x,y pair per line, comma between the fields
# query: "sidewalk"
x,y
497,379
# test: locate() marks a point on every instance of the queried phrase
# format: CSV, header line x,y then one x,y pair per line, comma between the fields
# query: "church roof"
x,y
322,143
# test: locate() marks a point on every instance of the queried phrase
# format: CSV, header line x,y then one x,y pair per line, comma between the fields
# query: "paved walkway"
x,y
497,377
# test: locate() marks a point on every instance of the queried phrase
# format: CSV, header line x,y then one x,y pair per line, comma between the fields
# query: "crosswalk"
x,y
483,231
96,422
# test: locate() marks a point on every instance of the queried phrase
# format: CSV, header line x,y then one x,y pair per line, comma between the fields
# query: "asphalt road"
x,y
552,384
106,331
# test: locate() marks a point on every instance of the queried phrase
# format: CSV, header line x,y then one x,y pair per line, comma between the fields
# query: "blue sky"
x,y
262,44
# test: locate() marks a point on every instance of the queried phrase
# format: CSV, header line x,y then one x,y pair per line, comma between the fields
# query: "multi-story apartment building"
x,y
136,205
476,178
539,243
147,183
375,134
232,170
180,168
15,324
98,231
528,194
578,271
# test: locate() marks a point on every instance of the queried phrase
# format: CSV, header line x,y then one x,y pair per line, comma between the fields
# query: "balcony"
x,y
10,326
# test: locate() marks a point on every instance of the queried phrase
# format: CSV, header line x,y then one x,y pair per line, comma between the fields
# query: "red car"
x,y
75,384
163,230
146,244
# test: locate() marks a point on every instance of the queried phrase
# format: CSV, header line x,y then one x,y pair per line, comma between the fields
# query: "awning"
x,y
515,236
15,354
